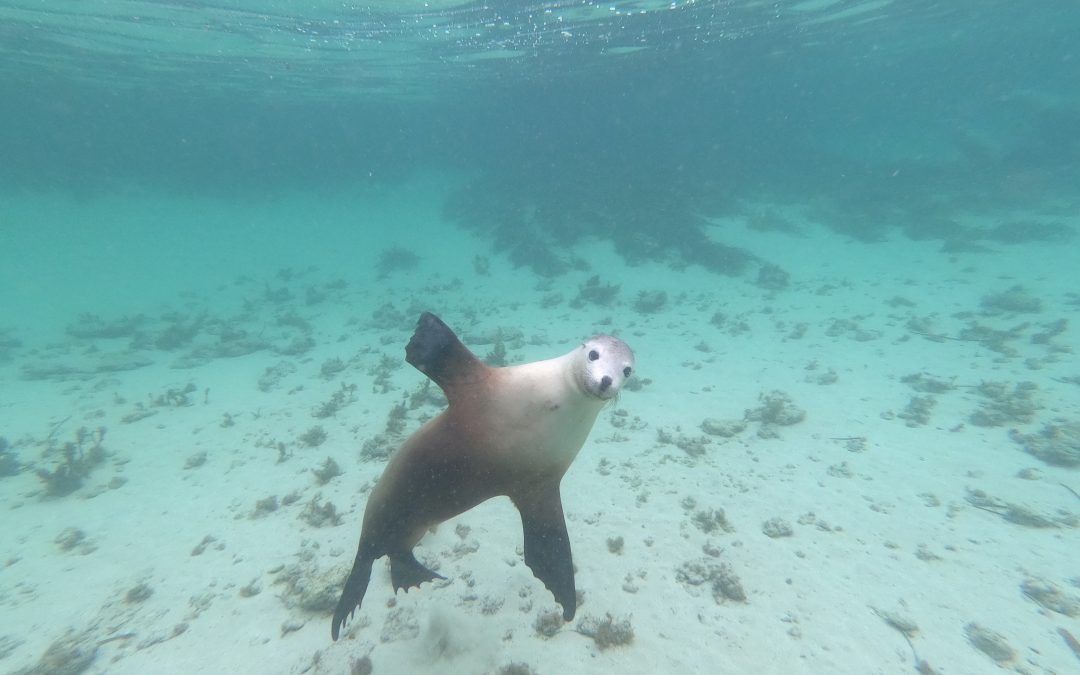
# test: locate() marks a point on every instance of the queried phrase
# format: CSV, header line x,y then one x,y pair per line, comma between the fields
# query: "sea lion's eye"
x,y
593,355
626,371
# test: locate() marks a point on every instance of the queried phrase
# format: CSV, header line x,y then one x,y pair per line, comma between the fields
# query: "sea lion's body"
x,y
510,431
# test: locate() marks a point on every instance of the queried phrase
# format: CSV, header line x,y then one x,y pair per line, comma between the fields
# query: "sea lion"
x,y
507,431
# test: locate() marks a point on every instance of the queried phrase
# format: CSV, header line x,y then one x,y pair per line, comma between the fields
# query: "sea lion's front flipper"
x,y
355,588
547,546
435,351
406,571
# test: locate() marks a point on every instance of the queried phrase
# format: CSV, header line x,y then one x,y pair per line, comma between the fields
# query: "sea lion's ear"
x,y
435,351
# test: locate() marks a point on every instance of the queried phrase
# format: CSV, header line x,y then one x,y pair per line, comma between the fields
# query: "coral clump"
x,y
607,632
1056,444
78,459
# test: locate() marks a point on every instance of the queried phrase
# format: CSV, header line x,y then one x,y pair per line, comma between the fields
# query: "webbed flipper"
x,y
547,546
406,572
438,353
353,593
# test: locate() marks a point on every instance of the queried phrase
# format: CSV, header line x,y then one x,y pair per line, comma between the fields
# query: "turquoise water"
x,y
257,199
623,122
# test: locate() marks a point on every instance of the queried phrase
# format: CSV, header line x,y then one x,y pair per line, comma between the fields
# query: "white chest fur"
x,y
544,415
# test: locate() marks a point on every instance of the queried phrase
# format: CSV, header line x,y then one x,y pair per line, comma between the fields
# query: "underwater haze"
x,y
839,235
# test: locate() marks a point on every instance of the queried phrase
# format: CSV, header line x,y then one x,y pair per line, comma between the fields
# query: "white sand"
x,y
891,529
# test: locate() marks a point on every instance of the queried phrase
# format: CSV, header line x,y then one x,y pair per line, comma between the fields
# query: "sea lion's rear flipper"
x,y
435,351
406,572
355,588
547,546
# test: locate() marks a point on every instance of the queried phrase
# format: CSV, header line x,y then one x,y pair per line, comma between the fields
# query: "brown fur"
x,y
507,432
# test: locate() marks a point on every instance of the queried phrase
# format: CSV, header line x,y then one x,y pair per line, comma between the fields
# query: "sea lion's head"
x,y
604,363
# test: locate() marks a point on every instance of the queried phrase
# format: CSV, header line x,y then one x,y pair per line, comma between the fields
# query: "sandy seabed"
x,y
843,475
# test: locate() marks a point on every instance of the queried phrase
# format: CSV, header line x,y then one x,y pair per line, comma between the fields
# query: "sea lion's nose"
x,y
605,382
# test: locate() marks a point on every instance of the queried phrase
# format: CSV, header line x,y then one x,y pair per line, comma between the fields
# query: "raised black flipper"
x,y
355,588
547,546
435,351
406,572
